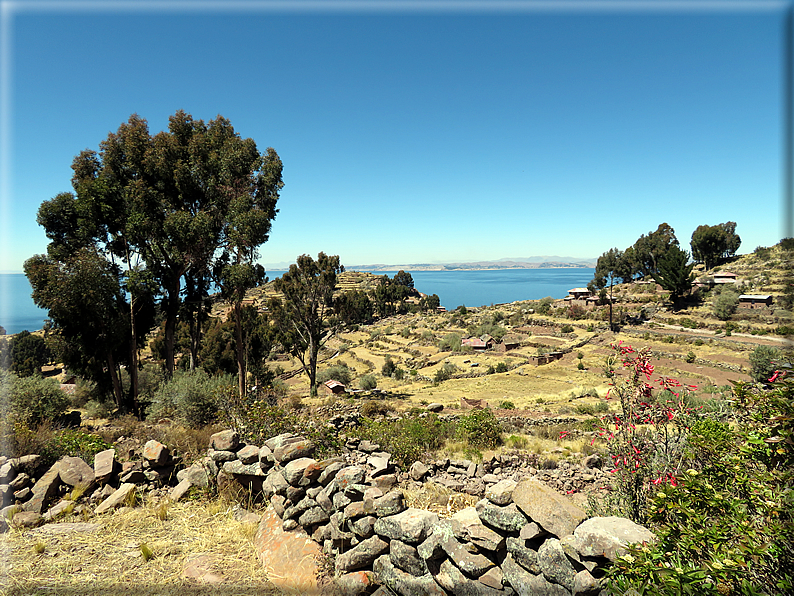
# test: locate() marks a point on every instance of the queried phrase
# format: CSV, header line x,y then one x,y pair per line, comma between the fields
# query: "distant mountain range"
x,y
541,262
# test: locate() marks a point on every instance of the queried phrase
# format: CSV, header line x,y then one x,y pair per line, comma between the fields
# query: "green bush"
x,y
339,372
388,367
445,372
764,360
566,329
409,439
74,443
32,400
501,367
507,405
690,357
490,370
368,382
450,343
190,397
725,304
479,430
688,323
372,408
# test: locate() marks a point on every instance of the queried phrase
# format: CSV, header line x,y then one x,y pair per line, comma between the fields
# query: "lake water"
x,y
454,288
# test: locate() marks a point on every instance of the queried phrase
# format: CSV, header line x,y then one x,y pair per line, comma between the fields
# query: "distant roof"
x,y
724,274
474,342
755,296
331,384
578,290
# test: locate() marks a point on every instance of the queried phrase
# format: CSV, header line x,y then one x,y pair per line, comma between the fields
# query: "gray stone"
x,y
315,515
156,454
405,557
411,526
524,556
507,518
531,531
501,493
289,524
379,465
418,471
391,503
115,500
44,490
105,465
435,407
340,500
275,484
607,537
279,440
356,583
266,458
526,583
238,468
584,584
362,555
330,472
298,508
197,475
26,519
555,565
402,583
363,527
278,502
21,481
368,446
472,564
292,451
493,578
180,490
452,580
248,454
221,456
293,471
225,440
350,475
75,472
466,526
430,549
7,472
553,512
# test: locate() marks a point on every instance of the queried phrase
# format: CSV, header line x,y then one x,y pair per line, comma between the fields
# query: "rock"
x,y
362,555
266,458
292,451
418,471
524,556
26,519
115,500
452,580
492,578
555,565
356,583
466,525
592,461
105,465
350,475
248,454
472,564
330,472
584,584
293,471
501,493
363,527
44,490
226,440
435,407
524,582
156,454
607,537
220,456
29,464
531,531
405,557
201,568
7,472
368,446
53,512
391,503
315,515
238,468
180,490
507,518
553,512
411,526
197,475
379,465
403,583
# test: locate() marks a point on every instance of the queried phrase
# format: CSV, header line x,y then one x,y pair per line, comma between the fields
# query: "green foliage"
x,y
480,429
600,407
674,272
450,342
487,328
368,382
339,372
354,307
501,367
74,443
580,365
28,353
403,278
690,357
507,405
566,329
725,304
688,323
372,408
190,397
444,373
408,439
462,310
388,367
32,400
762,252
544,305
490,370
711,243
764,360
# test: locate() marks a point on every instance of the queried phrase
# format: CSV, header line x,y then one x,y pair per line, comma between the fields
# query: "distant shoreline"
x,y
470,267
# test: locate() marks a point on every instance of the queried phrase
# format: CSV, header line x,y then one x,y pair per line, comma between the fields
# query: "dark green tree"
x,y
711,244
402,278
649,250
28,353
353,307
303,318
431,302
675,273
608,270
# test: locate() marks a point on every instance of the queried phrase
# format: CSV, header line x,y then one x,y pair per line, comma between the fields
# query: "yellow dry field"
x,y
111,560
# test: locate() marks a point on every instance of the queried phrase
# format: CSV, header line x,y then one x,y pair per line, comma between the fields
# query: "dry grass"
x,y
438,499
113,559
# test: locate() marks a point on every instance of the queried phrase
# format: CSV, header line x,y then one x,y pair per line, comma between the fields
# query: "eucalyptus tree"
x,y
675,273
610,266
304,317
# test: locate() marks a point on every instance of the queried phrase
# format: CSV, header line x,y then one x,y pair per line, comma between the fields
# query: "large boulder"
x,y
553,512
607,537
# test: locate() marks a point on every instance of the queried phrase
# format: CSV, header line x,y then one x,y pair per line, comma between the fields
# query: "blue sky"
x,y
416,133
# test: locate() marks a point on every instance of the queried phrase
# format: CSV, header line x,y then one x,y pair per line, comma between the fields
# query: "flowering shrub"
x,y
724,522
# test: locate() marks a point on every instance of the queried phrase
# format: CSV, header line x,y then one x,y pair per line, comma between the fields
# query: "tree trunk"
x,y
313,349
114,377
171,313
238,333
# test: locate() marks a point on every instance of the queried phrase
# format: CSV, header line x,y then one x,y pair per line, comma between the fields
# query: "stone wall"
x,y
522,537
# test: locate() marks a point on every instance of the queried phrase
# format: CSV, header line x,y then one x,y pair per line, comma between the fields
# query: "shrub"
x,y
399,374
690,357
566,329
449,343
517,442
32,400
339,372
479,430
368,382
764,360
445,372
501,367
507,405
544,305
688,323
372,408
490,370
580,365
191,397
408,439
74,443
725,304
388,367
